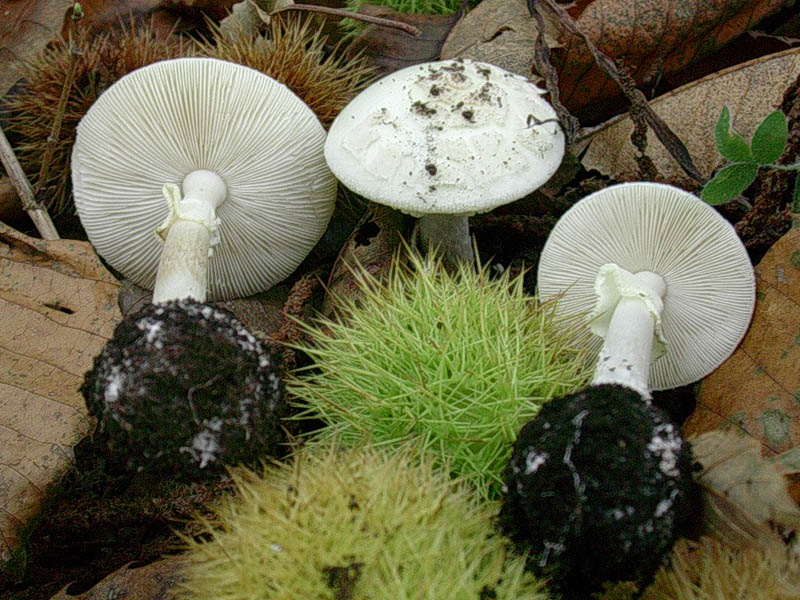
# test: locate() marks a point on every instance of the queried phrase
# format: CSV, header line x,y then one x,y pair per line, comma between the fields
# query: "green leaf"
x,y
796,195
729,182
769,139
729,143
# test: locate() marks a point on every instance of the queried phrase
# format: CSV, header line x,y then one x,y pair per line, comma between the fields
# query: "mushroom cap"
x,y
710,285
447,137
161,122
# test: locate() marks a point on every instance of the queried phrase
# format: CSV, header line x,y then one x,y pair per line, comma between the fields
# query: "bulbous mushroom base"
x,y
184,388
598,489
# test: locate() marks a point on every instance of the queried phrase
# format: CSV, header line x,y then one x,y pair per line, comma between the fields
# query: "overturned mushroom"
x,y
445,140
248,153
599,484
660,277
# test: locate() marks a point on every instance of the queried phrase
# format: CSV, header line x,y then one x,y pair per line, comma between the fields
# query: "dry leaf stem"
x,y
337,12
545,68
37,213
671,142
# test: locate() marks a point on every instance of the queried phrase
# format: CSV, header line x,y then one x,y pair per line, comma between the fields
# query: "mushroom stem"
x,y
449,234
628,316
189,234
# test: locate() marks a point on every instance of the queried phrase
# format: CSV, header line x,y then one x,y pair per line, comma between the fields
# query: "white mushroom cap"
x,y
448,137
160,123
641,227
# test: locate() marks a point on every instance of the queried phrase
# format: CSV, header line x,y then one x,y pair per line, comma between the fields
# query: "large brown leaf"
x,y
58,307
500,32
651,38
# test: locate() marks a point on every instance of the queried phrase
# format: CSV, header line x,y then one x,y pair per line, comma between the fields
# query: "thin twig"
x,y
338,12
37,213
671,142
55,130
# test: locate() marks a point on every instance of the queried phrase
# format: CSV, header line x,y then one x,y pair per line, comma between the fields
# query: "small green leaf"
x,y
796,195
770,138
729,182
729,143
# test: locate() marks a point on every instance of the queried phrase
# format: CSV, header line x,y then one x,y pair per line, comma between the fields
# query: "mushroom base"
x,y
598,489
184,389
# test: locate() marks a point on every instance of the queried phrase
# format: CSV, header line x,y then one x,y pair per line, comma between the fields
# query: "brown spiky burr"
x,y
29,110
292,51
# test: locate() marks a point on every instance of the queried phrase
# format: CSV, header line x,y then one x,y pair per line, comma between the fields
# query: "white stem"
x,y
189,234
628,347
449,234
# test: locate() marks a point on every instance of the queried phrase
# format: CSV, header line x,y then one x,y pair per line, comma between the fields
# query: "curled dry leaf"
x,y
390,49
745,496
58,307
154,581
248,16
500,32
752,90
757,390
652,38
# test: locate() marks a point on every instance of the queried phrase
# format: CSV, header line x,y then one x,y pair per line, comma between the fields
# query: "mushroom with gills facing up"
x,y
444,140
599,483
257,194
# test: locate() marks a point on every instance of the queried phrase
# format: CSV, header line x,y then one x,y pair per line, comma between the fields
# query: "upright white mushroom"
x,y
248,154
658,275
445,140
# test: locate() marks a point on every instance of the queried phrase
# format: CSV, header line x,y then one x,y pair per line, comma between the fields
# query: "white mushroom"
x,y
444,140
659,276
248,154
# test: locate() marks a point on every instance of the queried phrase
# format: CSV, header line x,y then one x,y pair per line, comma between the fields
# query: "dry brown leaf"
x,y
390,49
164,15
651,38
25,28
105,13
752,90
500,32
745,495
154,581
58,307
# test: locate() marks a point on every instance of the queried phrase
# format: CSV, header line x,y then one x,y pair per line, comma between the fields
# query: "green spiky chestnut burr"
x,y
354,524
457,361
